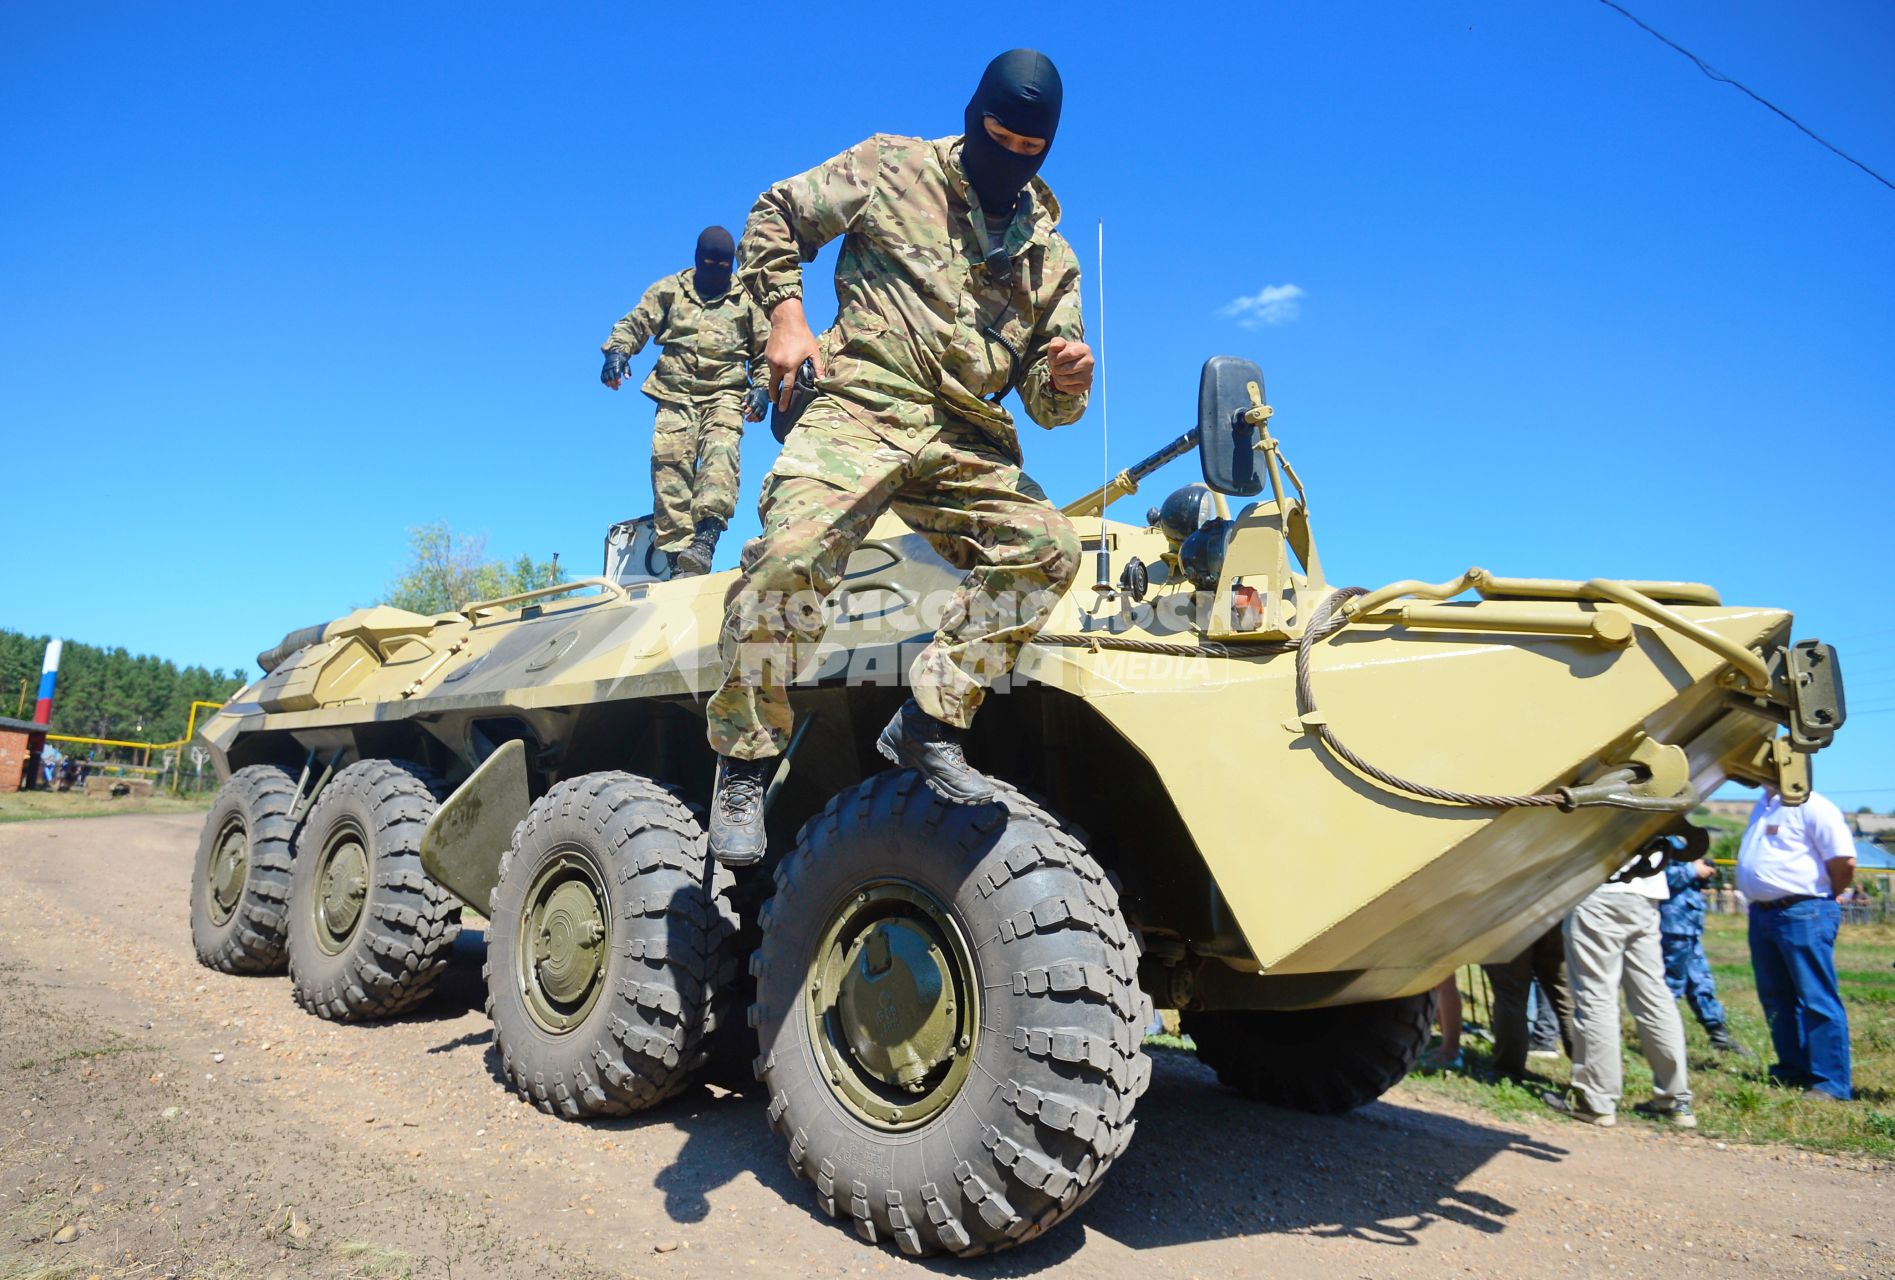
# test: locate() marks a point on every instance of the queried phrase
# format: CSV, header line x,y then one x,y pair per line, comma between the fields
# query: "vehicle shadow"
x,y
461,990
1205,1165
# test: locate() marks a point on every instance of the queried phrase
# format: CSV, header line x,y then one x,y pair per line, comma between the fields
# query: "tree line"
x,y
113,693
109,693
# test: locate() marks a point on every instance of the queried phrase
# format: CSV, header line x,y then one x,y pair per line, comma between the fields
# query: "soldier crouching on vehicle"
x,y
953,287
707,331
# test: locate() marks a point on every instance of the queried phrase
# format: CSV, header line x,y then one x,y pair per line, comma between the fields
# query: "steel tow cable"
x,y
1325,623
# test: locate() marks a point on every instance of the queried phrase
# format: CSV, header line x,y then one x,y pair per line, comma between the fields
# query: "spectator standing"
x,y
1687,969
1545,960
1543,1037
1792,864
1447,1015
1612,942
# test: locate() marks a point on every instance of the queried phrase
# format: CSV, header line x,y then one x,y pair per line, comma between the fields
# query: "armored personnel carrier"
x,y
1285,809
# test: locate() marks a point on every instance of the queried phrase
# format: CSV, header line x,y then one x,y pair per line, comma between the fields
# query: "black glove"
x,y
756,401
614,371
782,420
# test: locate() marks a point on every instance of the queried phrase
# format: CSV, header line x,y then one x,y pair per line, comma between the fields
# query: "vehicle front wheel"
x,y
948,1017
1318,1060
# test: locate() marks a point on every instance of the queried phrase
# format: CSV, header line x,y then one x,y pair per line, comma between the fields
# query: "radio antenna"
x,y
1102,584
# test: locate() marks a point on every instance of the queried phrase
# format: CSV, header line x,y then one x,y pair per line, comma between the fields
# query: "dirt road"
x,y
184,1123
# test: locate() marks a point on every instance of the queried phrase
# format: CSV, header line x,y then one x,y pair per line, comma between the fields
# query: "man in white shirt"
x,y
1612,940
1794,862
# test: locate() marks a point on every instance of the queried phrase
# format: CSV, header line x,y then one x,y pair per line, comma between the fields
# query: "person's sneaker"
x,y
737,811
1573,1109
1543,1053
1724,1042
696,558
1677,1114
933,749
1823,1095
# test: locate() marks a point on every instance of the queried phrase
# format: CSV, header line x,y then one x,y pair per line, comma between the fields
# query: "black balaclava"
x,y
715,253
1019,91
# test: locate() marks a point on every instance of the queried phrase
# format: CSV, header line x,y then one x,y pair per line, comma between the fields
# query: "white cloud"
x,y
1272,304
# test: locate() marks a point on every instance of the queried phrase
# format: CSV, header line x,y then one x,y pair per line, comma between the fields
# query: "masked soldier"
x,y
706,331
953,288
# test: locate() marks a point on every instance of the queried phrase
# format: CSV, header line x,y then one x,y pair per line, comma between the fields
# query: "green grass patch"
x,y
1734,1098
36,806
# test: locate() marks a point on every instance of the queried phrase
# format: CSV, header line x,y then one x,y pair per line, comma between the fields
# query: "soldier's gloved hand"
x,y
756,400
614,371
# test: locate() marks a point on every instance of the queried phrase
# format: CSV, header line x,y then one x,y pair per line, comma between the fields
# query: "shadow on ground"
x,y
1205,1164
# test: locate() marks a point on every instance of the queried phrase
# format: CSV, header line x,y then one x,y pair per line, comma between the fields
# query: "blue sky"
x,y
277,283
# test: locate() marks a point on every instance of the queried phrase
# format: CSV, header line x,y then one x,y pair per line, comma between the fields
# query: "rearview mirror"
x,y
1226,442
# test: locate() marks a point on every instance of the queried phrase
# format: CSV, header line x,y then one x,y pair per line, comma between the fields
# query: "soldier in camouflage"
x,y
953,288
707,331
1681,939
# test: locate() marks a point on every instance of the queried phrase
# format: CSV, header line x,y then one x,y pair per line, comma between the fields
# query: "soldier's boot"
x,y
1724,1042
696,558
737,810
933,749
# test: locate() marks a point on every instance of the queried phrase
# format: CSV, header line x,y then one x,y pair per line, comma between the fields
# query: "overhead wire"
x,y
1745,89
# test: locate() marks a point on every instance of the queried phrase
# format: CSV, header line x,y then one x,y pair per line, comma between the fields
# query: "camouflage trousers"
x,y
834,477
694,451
1688,974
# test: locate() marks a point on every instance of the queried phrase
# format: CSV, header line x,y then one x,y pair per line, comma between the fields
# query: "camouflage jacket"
x,y
703,344
1683,912
914,291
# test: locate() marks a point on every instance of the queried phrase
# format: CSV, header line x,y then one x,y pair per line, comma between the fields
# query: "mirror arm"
x,y
1258,415
1126,482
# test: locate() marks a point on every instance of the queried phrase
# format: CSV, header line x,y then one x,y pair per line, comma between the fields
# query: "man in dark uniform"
x,y
1687,971
708,332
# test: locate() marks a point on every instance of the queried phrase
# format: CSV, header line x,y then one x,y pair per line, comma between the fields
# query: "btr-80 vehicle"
x,y
1283,809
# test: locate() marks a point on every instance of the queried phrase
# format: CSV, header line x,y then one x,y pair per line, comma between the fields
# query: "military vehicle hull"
x,y
1231,789
1277,859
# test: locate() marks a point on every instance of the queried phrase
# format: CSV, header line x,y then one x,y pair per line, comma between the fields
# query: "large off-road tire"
x,y
1318,1060
370,933
609,942
948,1017
241,882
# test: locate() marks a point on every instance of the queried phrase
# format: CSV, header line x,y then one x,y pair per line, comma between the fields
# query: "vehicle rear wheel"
x,y
240,883
1317,1060
609,943
948,1017
370,933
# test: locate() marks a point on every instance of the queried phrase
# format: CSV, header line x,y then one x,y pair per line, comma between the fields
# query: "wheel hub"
x,y
893,1005
565,941
341,891
229,867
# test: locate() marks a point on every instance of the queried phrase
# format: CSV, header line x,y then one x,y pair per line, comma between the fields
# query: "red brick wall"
x,y
12,758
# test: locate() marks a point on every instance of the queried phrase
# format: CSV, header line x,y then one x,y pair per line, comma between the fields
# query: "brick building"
x,y
13,734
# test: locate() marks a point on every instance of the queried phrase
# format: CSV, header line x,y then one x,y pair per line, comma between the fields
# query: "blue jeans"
x,y
1793,954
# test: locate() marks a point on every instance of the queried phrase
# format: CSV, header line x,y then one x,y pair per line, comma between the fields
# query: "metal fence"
x,y
1868,909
